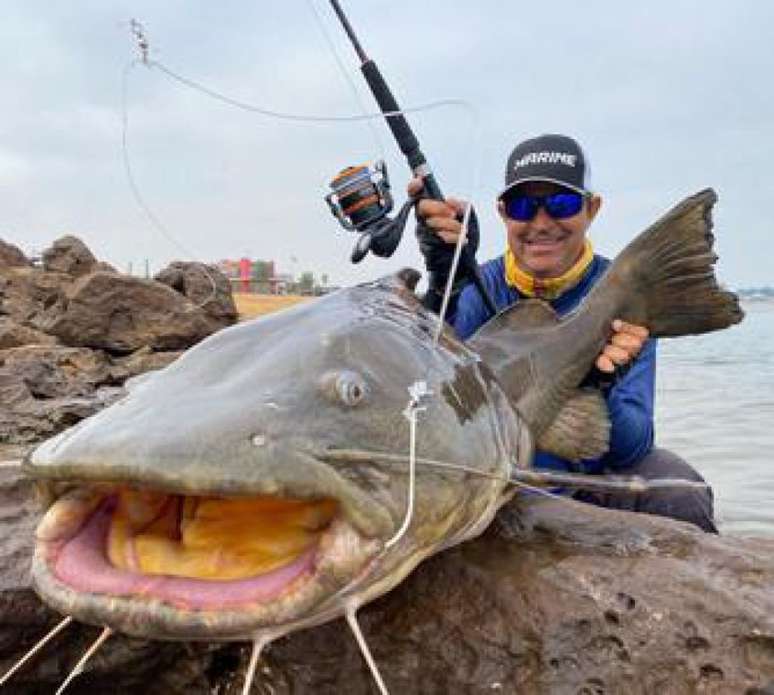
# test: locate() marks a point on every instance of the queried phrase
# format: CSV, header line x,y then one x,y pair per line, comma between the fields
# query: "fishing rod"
x,y
361,197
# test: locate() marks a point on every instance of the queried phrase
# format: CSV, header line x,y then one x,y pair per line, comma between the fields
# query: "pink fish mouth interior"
x,y
218,554
83,565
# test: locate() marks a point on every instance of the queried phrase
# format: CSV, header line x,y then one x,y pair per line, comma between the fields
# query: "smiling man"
x,y
547,207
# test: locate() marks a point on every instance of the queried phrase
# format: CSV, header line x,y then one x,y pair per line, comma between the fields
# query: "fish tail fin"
x,y
669,272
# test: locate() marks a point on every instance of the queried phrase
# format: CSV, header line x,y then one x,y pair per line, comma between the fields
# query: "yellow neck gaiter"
x,y
546,288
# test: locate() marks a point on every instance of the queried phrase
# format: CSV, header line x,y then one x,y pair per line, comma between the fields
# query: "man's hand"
x,y
624,345
440,216
439,225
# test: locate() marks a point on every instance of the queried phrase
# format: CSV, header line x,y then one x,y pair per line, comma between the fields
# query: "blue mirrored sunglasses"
x,y
558,205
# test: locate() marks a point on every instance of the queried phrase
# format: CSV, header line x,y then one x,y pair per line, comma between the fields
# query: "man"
x,y
547,207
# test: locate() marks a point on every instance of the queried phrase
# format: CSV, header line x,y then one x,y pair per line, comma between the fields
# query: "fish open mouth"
x,y
155,564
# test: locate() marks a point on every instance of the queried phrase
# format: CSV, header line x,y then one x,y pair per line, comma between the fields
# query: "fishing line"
x,y
350,612
347,77
41,643
89,653
143,47
475,146
154,221
418,391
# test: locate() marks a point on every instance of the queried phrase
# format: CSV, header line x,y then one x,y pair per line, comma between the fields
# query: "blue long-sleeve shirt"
x,y
630,400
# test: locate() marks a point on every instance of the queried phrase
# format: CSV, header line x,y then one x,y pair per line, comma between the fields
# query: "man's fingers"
x,y
625,344
616,354
457,205
414,186
630,328
450,237
428,209
444,224
605,364
631,343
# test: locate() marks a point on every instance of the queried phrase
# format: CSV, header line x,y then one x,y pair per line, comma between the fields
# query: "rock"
x,y
206,287
13,334
121,314
102,265
31,296
11,255
142,361
44,389
102,328
556,597
560,597
70,255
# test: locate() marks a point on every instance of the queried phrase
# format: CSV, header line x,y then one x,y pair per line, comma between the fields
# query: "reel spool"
x,y
361,195
361,200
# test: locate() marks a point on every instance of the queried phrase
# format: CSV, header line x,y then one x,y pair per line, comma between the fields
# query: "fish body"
x,y
291,468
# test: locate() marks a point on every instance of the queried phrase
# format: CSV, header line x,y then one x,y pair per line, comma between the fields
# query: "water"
x,y
715,407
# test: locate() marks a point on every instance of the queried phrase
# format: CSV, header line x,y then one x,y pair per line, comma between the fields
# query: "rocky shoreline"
x,y
73,330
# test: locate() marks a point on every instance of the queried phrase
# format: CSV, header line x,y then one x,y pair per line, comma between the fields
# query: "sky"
x,y
667,98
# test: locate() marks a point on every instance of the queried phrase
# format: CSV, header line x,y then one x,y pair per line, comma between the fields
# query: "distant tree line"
x,y
756,291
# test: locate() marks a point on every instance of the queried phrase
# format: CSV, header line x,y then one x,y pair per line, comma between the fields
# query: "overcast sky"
x,y
667,98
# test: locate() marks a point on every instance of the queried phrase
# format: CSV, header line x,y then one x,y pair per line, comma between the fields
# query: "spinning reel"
x,y
361,200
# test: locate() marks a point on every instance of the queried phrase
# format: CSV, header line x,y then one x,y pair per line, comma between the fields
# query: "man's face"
x,y
544,246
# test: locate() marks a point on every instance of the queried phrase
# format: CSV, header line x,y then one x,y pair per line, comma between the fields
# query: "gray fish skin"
x,y
310,403
253,410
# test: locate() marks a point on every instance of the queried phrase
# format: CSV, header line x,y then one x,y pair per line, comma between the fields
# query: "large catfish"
x,y
268,480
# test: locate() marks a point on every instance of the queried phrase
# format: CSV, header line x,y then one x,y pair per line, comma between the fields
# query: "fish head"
x,y
277,472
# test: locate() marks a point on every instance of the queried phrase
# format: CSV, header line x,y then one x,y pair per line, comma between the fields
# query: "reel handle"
x,y
361,247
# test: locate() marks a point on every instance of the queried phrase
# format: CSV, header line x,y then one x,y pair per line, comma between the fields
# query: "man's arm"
x,y
630,403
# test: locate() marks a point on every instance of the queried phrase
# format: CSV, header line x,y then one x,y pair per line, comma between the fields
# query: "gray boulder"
x,y
31,296
11,255
70,255
205,286
46,388
121,314
14,334
98,328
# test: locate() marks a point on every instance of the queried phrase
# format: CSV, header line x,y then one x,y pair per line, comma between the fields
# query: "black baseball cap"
x,y
554,158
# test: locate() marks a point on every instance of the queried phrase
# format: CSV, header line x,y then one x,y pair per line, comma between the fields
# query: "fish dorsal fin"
x,y
402,284
404,279
408,277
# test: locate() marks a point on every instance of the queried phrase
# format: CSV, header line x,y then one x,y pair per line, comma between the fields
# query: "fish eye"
x,y
345,387
350,388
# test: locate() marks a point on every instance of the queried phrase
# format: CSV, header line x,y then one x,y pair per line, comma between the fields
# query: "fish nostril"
x,y
258,440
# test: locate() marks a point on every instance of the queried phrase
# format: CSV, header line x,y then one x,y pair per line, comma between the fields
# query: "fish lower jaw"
x,y
72,573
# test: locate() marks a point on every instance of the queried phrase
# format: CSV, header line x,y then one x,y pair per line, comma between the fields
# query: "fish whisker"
x,y
38,646
526,478
350,611
82,662
258,644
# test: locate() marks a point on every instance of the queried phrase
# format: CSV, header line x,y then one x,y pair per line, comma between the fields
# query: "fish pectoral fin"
x,y
581,428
